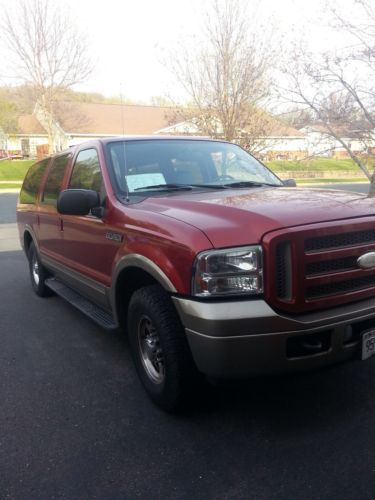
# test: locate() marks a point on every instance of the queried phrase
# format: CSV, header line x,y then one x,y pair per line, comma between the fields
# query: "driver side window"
x,y
87,173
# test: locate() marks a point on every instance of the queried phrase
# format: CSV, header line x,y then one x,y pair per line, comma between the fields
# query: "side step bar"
x,y
97,314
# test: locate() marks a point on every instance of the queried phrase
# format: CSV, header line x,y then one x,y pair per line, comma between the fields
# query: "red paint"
x,y
172,230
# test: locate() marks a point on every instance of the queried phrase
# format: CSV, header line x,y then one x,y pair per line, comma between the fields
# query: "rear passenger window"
x,y
86,171
54,180
32,181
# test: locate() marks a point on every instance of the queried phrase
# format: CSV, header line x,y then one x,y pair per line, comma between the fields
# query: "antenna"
x,y
124,147
122,110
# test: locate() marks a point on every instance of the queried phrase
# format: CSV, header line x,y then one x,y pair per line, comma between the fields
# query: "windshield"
x,y
160,165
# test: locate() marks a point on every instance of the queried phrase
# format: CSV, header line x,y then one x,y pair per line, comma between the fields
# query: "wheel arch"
x,y
28,238
133,272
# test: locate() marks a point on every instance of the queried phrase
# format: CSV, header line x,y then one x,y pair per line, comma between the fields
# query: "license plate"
x,y
368,344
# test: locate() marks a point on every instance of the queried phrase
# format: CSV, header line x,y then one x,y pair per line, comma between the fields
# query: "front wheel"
x,y
160,350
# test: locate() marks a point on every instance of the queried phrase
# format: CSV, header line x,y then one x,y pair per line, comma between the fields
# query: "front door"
x,y
87,250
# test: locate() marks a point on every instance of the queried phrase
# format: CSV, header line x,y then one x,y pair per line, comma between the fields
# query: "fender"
x,y
140,262
30,230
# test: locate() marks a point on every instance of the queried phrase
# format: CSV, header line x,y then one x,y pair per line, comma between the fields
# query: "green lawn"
x,y
10,185
339,180
316,165
14,170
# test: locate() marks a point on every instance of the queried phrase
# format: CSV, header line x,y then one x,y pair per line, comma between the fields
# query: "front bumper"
x,y
246,337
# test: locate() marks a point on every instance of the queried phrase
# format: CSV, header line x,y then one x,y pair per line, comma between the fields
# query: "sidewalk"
x,y
9,239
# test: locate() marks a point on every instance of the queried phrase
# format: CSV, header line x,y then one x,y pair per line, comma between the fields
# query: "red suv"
x,y
208,260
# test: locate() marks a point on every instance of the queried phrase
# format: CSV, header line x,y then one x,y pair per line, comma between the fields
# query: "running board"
x,y
96,313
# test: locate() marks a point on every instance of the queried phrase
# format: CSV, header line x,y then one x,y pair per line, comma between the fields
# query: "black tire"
x,y
160,349
38,273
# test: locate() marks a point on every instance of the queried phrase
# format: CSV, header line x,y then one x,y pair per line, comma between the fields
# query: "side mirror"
x,y
77,201
290,183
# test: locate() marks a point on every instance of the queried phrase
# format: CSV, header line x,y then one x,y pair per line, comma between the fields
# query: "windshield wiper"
x,y
247,184
211,186
189,187
167,187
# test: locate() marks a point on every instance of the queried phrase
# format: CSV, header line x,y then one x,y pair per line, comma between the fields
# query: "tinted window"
x,y
31,183
86,172
54,181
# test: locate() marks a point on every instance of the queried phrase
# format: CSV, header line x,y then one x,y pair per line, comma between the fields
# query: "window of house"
x,y
54,180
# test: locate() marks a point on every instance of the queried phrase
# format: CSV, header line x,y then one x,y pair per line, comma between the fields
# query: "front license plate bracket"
x,y
368,344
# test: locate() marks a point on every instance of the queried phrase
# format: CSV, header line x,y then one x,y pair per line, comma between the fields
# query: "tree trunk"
x,y
371,193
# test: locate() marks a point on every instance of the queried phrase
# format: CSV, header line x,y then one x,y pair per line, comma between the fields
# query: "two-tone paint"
x,y
160,236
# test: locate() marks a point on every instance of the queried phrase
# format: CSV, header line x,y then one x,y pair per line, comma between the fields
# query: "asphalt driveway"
x,y
76,424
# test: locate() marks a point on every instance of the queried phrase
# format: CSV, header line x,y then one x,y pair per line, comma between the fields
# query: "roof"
x,y
132,138
28,124
112,119
100,119
273,128
355,130
279,129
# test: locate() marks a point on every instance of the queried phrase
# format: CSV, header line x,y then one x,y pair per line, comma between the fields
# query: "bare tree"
x,y
50,55
8,113
227,75
339,86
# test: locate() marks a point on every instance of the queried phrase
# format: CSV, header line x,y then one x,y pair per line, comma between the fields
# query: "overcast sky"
x,y
127,38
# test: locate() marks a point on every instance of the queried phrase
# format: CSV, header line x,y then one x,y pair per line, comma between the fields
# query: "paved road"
x,y
359,187
75,423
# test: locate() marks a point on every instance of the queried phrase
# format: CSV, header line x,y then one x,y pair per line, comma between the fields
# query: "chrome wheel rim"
x,y
152,356
35,270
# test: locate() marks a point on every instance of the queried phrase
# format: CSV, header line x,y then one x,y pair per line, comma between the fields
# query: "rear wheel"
x,y
38,273
160,350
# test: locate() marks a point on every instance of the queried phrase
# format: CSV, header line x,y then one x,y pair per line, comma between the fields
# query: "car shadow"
x,y
292,403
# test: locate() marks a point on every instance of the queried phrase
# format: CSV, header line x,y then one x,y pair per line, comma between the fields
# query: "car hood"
x,y
239,217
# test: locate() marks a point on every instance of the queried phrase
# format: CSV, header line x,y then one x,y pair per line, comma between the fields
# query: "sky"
x,y
129,39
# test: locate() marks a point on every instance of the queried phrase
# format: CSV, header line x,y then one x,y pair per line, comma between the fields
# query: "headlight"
x,y
232,271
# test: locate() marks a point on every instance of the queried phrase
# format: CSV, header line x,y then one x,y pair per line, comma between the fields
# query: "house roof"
x,y
355,130
28,124
112,119
279,129
275,129
100,119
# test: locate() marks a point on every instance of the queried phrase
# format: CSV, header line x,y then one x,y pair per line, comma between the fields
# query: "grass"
x,y
10,185
316,165
14,170
341,180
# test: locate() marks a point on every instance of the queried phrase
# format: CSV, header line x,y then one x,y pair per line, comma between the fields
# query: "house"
x,y
24,142
321,143
80,121
281,141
